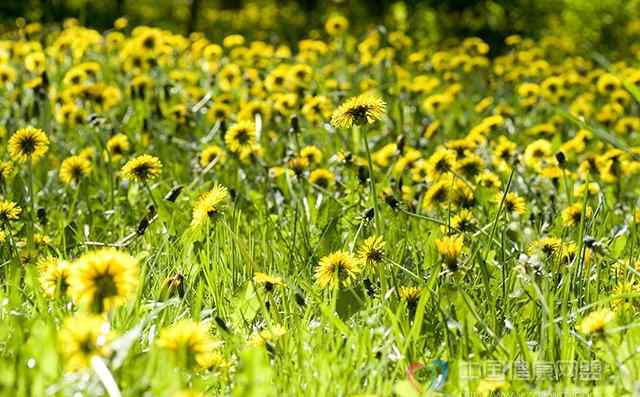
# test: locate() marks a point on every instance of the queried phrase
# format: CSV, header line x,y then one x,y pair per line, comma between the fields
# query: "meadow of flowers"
x,y
182,216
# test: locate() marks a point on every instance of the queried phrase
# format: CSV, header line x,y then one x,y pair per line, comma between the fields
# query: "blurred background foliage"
x,y
603,25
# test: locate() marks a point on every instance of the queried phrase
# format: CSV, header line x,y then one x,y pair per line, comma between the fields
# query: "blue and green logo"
x,y
430,376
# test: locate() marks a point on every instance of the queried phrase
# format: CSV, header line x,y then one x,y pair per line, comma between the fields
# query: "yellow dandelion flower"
x,y
103,279
596,321
55,279
336,25
317,109
312,154
470,165
212,153
547,246
437,103
6,171
233,40
46,262
142,168
35,62
384,156
241,138
430,130
28,143
118,145
572,215
285,104
568,253
189,341
250,110
268,281
7,74
218,111
536,152
608,83
300,75
298,165
250,155
438,194
621,292
513,204
9,211
70,115
41,239
267,336
463,221
338,269
121,23
74,168
410,157
360,110
450,248
411,295
489,180
213,361
371,252
209,205
322,177
420,171
88,153
83,337
440,163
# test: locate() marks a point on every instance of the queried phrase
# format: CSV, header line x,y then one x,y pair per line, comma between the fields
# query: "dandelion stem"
x,y
372,182
103,147
111,181
567,191
12,244
74,204
425,217
150,193
31,204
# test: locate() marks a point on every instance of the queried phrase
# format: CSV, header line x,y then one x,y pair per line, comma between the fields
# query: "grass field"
x,y
350,215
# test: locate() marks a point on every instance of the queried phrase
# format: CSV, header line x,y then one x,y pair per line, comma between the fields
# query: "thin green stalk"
x,y
150,193
12,244
103,148
74,204
372,183
32,206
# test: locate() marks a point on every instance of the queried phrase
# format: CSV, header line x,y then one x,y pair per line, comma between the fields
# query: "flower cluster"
x,y
214,200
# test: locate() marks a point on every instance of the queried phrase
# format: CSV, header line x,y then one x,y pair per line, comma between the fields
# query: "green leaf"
x,y
255,375
349,302
246,306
